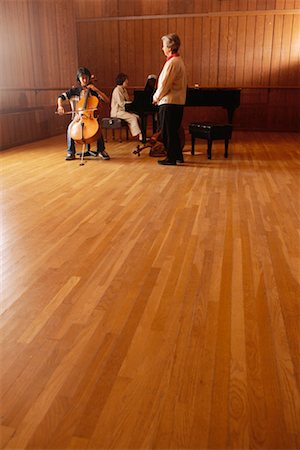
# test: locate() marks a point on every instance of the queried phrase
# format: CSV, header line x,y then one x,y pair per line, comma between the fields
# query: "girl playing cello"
x,y
75,94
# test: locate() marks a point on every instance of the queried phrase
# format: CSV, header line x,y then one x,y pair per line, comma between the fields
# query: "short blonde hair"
x,y
172,41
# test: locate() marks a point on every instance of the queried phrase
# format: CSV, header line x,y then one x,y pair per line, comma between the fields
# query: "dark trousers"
x,y
170,118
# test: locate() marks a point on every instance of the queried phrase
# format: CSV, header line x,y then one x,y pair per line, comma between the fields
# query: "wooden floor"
x,y
151,307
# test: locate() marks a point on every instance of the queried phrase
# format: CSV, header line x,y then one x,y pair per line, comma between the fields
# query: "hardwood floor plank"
x,y
40,321
238,434
218,437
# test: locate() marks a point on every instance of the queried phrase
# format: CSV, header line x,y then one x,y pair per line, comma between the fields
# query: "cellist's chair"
x,y
114,123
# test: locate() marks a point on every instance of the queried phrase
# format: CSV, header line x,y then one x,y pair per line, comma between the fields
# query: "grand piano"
x,y
142,105
226,98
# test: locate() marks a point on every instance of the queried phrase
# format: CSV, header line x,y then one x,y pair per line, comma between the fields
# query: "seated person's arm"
x,y
60,108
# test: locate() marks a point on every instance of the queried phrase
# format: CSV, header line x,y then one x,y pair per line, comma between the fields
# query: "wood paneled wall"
x,y
38,58
252,44
224,42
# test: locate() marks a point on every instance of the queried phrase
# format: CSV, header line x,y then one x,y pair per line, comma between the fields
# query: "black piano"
x,y
226,98
142,105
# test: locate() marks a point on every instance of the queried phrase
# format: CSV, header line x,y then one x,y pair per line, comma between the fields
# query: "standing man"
x,y
170,96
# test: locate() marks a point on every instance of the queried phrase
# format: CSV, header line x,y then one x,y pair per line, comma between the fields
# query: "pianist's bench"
x,y
114,123
210,132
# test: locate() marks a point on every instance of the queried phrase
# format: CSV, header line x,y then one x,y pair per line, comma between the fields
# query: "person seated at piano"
x,y
170,96
74,94
119,98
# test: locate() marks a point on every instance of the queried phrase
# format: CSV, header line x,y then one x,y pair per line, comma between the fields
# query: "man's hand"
x,y
60,110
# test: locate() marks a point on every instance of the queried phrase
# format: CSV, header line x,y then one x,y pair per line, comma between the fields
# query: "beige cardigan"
x,y
172,83
119,98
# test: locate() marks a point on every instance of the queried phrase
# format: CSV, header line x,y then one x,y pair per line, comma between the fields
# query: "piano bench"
x,y
210,132
114,123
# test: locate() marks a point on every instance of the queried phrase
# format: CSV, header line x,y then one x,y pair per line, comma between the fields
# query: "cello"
x,y
85,127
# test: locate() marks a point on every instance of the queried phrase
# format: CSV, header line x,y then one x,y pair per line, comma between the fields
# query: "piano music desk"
x,y
210,132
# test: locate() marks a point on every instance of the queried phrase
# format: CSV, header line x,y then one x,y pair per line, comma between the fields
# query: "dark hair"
x,y
121,77
83,71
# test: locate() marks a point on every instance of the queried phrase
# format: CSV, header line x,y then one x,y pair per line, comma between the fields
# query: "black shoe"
x,y
88,153
180,161
166,162
103,154
70,156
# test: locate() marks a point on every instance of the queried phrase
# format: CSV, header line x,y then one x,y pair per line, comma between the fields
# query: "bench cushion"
x,y
112,122
212,131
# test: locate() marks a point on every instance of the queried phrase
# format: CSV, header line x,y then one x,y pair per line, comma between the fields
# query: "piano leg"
x,y
154,123
209,146
193,144
144,128
144,125
226,148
